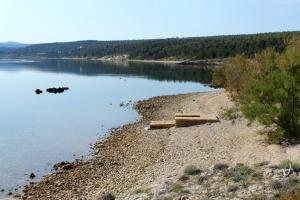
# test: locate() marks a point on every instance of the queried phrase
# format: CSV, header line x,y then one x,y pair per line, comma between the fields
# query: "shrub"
x,y
242,169
107,196
274,137
231,173
276,185
267,89
218,77
220,167
192,170
293,195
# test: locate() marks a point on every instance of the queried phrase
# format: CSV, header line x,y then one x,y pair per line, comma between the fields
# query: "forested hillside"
x,y
173,48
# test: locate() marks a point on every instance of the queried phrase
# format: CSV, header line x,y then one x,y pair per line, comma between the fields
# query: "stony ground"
x,y
133,157
262,181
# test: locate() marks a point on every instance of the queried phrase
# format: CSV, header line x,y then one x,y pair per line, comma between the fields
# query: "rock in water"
x,y
32,176
38,91
57,90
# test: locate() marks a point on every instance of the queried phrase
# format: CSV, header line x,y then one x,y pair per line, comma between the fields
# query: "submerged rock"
x,y
64,166
38,91
57,90
32,176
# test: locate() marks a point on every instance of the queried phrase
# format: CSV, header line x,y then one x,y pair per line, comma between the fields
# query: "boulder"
x,y
38,91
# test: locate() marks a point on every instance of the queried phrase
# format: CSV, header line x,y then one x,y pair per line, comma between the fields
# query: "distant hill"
x,y
193,48
9,47
12,45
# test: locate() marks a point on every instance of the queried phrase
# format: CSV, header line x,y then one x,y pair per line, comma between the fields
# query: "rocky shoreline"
x,y
133,158
75,180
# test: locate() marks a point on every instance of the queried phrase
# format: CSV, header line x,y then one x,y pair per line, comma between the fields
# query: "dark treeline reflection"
x,y
152,71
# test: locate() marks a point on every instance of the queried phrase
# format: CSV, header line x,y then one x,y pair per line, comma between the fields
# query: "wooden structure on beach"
x,y
184,120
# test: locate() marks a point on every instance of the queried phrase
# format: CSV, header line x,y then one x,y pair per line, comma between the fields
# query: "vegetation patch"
x,y
202,179
257,175
184,178
293,195
261,164
287,164
143,190
231,114
192,170
107,196
220,167
179,189
276,185
232,188
266,88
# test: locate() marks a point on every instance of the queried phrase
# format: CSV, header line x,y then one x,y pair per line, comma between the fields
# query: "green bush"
x,y
243,169
218,77
267,89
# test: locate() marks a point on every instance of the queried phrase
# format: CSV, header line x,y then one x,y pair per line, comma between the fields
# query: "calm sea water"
x,y
37,131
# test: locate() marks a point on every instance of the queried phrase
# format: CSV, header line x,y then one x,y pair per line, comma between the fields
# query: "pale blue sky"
x,y
35,21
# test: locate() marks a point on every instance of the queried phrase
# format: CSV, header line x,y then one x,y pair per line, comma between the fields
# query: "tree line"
x,y
171,49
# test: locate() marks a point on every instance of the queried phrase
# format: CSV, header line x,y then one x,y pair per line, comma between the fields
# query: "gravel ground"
x,y
132,157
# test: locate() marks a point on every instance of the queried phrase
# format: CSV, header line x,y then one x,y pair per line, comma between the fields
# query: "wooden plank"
x,y
190,121
162,124
187,115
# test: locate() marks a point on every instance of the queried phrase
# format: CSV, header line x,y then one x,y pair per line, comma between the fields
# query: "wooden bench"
x,y
187,115
190,121
162,124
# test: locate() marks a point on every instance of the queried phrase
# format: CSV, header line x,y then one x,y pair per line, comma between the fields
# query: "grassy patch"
x,y
142,190
243,169
257,175
192,170
239,173
286,164
179,189
274,137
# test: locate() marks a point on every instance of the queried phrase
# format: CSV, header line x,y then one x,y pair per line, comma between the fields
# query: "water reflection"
x,y
154,71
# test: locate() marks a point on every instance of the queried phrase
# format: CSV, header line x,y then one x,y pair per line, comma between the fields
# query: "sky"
x,y
40,21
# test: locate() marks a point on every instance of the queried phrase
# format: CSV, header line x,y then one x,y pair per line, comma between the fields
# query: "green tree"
x,y
267,88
